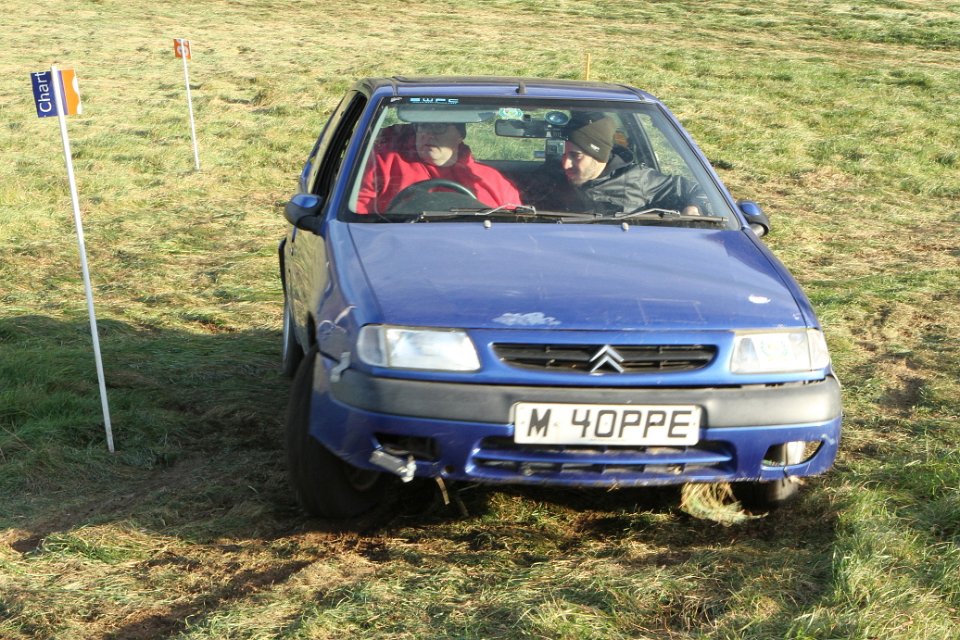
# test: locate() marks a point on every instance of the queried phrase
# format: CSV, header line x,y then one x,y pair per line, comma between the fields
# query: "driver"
x,y
406,154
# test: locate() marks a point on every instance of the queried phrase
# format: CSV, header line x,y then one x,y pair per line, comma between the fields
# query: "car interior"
x,y
526,145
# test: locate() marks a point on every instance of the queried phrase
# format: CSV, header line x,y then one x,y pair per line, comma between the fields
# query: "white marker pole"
x,y
57,89
186,80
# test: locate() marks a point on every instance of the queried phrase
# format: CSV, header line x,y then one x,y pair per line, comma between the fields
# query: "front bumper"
x,y
464,431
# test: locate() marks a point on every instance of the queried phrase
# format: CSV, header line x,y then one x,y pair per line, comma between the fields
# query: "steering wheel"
x,y
433,183
414,192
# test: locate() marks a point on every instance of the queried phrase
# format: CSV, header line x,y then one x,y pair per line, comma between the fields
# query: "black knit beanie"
x,y
593,133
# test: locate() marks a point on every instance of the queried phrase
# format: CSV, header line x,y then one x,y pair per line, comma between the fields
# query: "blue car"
x,y
537,282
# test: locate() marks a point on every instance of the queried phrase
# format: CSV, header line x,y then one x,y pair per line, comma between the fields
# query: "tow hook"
x,y
394,464
342,366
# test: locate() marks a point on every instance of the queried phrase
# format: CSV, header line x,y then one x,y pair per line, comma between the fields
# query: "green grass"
x,y
840,119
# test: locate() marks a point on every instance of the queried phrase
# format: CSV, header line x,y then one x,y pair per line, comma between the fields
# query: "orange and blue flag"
x,y
69,93
181,48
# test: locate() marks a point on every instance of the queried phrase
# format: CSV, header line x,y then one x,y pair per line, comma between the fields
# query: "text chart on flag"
x,y
43,88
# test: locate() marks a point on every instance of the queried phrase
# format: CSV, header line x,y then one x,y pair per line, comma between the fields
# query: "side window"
x,y
668,159
308,176
330,152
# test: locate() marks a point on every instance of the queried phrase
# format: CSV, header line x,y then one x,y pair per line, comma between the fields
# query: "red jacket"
x,y
395,166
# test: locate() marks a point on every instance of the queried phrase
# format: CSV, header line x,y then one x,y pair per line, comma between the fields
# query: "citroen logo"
x,y
606,357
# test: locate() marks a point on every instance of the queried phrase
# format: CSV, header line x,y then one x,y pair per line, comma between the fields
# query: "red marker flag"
x,y
181,48
43,87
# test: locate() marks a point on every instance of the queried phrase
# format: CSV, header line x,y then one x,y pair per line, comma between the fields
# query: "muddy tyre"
x,y
325,485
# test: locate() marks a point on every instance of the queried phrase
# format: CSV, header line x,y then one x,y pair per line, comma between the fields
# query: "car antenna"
x,y
396,89
521,87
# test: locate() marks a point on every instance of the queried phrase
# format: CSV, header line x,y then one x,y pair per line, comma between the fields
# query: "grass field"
x,y
841,119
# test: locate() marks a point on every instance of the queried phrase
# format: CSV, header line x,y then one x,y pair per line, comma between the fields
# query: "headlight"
x,y
779,352
409,348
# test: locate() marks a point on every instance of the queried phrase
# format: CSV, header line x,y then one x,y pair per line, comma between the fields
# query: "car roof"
x,y
497,86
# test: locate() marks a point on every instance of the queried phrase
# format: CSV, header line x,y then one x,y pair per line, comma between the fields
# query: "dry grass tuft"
x,y
714,502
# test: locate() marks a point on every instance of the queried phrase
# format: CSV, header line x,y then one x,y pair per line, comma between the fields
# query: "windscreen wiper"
x,y
666,216
510,212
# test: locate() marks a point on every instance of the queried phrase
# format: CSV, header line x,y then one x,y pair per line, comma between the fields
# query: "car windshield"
x,y
523,160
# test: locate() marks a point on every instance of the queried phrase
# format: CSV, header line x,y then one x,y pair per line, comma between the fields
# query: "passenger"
x,y
603,178
406,154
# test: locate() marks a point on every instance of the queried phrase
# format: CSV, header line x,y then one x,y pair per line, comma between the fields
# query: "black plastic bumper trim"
x,y
761,405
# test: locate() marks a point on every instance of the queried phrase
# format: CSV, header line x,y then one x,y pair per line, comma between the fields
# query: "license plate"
x,y
608,424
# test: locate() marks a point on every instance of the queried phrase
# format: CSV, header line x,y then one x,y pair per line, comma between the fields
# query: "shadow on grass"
x,y
198,421
196,418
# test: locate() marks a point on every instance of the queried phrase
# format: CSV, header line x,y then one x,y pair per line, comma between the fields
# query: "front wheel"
x,y
772,494
325,485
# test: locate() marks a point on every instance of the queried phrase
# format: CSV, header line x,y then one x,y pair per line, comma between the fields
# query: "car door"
x,y
304,252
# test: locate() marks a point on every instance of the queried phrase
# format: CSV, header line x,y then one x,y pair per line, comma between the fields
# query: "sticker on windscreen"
x,y
434,100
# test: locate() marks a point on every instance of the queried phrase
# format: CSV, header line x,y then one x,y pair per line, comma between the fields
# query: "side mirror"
x,y
302,212
756,218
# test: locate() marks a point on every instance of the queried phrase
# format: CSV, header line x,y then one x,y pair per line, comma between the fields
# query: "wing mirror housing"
x,y
755,216
303,212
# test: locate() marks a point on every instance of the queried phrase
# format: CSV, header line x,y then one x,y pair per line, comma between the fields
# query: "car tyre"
x,y
292,352
325,485
772,494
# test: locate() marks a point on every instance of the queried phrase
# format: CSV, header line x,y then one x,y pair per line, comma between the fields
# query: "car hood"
x,y
584,277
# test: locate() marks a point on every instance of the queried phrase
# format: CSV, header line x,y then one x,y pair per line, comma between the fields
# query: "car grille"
x,y
499,455
589,358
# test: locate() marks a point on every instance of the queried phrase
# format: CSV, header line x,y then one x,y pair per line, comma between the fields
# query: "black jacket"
x,y
623,187
626,187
